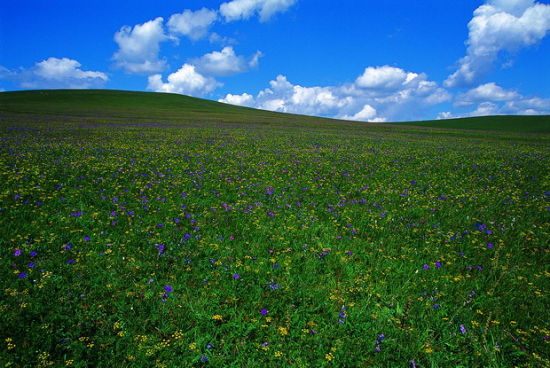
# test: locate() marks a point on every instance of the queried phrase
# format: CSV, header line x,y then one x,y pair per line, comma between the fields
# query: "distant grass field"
x,y
142,230
520,124
125,106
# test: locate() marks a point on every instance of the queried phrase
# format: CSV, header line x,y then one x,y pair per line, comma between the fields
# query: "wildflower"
x,y
33,254
160,248
168,288
413,364
17,253
87,238
438,264
463,329
22,275
264,312
204,359
426,267
490,245
236,276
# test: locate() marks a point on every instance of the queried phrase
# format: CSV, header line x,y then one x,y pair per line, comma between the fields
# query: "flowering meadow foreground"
x,y
230,245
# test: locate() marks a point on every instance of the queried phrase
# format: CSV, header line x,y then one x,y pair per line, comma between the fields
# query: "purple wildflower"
x,y
490,245
87,238
33,253
168,288
22,275
160,247
264,312
438,264
426,267
236,276
17,253
463,329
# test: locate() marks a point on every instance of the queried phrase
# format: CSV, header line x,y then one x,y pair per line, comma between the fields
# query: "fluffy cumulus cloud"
x,y
242,100
499,25
225,62
244,9
139,47
485,92
492,99
185,81
384,77
379,94
56,73
193,24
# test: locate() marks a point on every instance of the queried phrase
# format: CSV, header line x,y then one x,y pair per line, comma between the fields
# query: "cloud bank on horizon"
x,y
497,33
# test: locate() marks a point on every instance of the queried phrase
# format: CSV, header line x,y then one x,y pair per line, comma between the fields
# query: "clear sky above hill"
x,y
363,60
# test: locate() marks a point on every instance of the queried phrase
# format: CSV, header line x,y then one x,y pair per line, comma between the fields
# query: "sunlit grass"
x,y
270,247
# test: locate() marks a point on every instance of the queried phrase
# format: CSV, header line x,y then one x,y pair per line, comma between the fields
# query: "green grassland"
x,y
156,230
520,124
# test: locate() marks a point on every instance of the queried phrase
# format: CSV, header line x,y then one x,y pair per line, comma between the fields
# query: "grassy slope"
x,y
124,106
383,237
508,123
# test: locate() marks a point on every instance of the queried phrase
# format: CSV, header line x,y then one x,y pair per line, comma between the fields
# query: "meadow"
x,y
155,235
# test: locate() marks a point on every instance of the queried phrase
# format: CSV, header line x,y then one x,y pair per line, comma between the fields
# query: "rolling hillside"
x,y
166,108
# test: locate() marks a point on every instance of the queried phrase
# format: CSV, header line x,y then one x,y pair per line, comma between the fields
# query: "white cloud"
x,y
139,47
56,73
193,24
225,62
446,115
383,77
500,25
485,92
184,81
528,106
368,113
244,9
386,99
485,109
242,100
491,99
515,7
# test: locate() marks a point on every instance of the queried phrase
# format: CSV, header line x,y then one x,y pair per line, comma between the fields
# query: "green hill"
x,y
508,123
126,106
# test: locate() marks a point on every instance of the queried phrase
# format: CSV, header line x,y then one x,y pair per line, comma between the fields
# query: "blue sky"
x,y
362,60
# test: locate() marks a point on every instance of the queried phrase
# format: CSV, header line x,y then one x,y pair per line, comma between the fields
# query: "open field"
x,y
519,124
150,233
